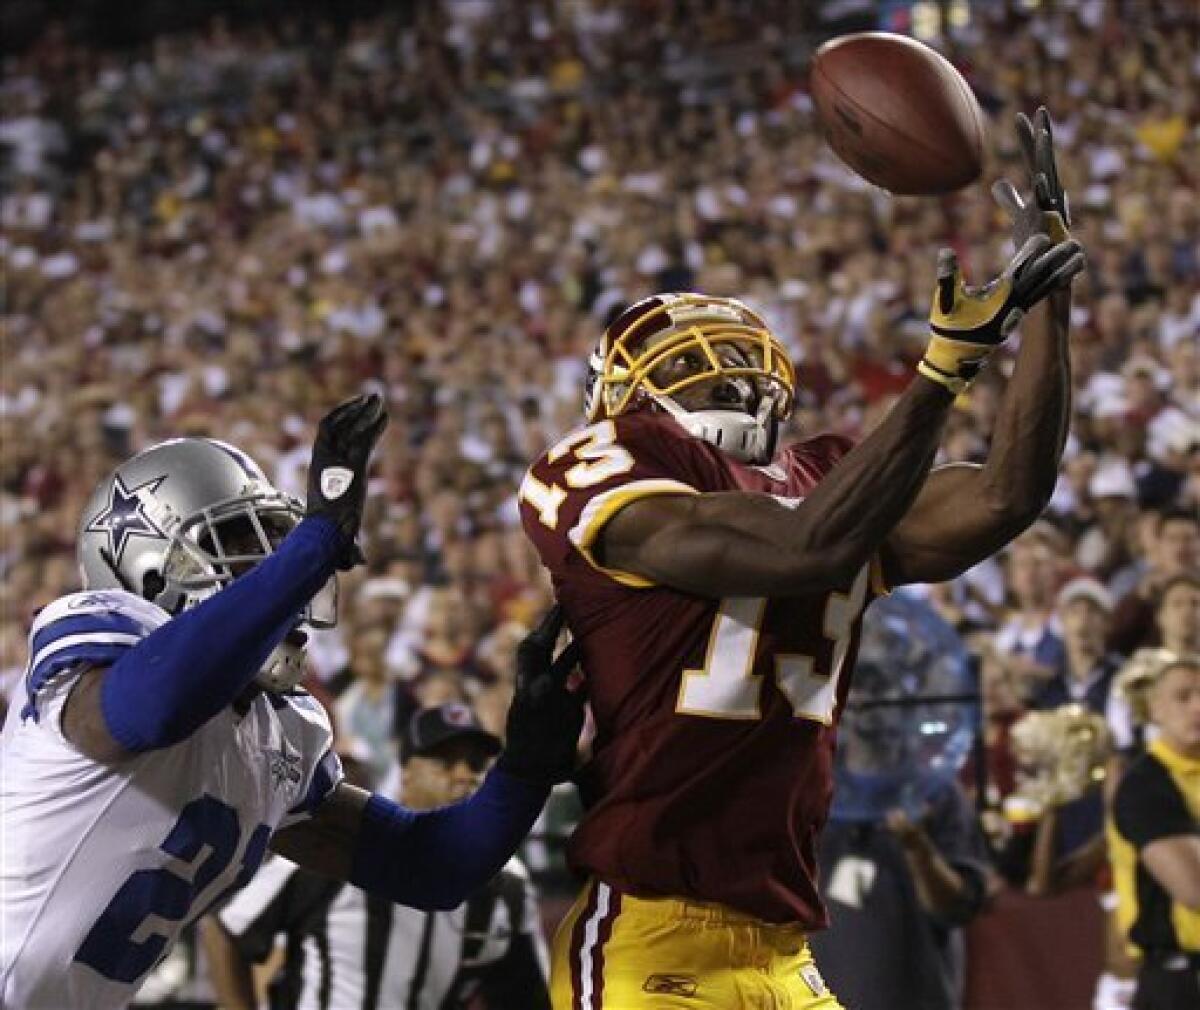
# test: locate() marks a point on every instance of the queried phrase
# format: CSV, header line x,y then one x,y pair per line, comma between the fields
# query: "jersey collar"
x,y
1179,763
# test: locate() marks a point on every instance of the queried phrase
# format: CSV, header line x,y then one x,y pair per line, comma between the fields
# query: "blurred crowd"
x,y
225,232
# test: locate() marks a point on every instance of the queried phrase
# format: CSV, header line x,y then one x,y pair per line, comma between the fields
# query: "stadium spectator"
x,y
1174,550
1028,640
220,229
1156,843
1178,614
1085,674
364,708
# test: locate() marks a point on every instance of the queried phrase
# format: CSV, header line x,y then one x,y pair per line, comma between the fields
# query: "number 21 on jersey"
x,y
728,688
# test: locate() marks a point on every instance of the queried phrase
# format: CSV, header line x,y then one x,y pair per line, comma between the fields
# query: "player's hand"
x,y
1047,212
968,324
546,715
337,472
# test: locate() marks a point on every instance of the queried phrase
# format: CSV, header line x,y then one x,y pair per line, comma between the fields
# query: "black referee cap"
x,y
429,728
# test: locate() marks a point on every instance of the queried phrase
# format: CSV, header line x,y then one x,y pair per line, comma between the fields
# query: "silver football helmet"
x,y
182,519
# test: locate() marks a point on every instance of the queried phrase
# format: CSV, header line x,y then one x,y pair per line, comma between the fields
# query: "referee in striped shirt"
x,y
348,951
1155,846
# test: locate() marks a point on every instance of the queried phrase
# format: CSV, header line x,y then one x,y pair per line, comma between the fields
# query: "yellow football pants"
x,y
617,952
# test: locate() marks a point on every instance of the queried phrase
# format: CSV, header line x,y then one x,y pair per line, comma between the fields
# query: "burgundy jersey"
x,y
711,775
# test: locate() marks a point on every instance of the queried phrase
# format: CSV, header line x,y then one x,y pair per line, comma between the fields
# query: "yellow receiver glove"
x,y
968,324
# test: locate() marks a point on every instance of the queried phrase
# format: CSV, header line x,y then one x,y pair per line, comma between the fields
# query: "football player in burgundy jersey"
x,y
716,583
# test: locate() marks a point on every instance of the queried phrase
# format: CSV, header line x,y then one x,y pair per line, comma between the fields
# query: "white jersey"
x,y
102,866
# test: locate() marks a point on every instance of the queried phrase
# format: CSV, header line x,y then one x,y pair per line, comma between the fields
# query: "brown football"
x,y
898,113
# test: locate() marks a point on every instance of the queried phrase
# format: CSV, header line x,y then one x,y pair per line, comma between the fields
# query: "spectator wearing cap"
x,y
1105,548
1084,609
1145,381
1174,550
1067,847
347,951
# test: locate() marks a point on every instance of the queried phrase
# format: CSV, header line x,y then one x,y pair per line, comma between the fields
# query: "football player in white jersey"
x,y
158,744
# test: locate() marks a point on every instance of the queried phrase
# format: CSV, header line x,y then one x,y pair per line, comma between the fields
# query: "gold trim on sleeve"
x,y
603,507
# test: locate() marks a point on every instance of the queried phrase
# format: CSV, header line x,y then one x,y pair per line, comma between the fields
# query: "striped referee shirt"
x,y
347,950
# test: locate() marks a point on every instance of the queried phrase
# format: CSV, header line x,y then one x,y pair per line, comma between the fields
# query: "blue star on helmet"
x,y
125,516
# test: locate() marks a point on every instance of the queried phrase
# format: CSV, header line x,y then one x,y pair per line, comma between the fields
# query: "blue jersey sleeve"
x,y
189,669
84,629
435,859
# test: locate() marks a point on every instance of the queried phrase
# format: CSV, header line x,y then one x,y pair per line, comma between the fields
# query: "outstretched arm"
x,y
740,544
965,513
193,666
944,890
185,672
431,859
434,859
748,544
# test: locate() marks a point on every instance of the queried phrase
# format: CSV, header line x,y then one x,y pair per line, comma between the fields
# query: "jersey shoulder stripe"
x,y
88,627
101,607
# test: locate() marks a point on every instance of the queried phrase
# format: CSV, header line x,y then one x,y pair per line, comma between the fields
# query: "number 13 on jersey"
x,y
728,688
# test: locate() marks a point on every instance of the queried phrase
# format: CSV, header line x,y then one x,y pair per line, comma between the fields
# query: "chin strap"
x,y
750,439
